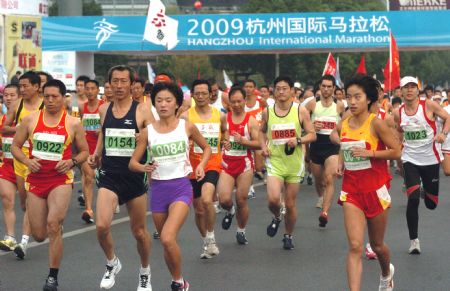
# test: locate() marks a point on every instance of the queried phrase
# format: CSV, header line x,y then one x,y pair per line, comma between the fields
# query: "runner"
x,y
8,186
237,163
29,103
51,133
446,150
211,123
366,143
169,167
219,99
108,92
421,159
325,112
281,141
120,121
80,98
91,124
45,77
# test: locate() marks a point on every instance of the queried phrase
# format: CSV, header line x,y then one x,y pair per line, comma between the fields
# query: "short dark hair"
x,y
15,86
18,72
49,77
32,77
328,78
428,87
82,78
212,81
369,86
121,68
265,86
201,82
338,89
57,84
396,100
235,89
148,87
283,79
250,81
92,81
140,81
172,88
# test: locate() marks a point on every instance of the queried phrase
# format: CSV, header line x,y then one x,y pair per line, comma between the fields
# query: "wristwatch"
x,y
299,140
75,162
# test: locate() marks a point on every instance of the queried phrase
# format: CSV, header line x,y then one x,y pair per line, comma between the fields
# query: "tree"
x,y
89,8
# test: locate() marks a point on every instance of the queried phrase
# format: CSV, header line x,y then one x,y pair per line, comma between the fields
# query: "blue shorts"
x,y
165,192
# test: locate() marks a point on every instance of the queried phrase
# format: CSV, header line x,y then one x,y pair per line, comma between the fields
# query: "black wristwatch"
x,y
75,163
299,140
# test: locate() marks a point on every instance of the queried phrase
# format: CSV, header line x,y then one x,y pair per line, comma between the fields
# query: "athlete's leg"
x,y
225,187
355,224
106,203
208,191
412,183
446,164
88,183
8,193
430,180
37,212
274,186
291,190
23,196
137,209
377,228
243,183
318,171
200,216
328,176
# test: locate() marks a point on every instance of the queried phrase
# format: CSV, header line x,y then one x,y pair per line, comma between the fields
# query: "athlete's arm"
x,y
263,134
22,134
437,110
224,134
138,153
340,108
196,136
253,143
305,121
225,101
9,120
145,114
335,134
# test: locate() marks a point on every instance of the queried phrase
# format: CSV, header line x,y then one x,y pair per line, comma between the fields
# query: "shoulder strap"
x,y
19,110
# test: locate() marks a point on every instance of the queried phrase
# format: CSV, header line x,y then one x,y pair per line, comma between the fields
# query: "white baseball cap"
x,y
407,80
297,85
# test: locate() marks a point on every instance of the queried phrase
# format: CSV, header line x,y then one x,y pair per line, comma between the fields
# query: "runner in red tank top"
x,y
91,124
237,163
51,132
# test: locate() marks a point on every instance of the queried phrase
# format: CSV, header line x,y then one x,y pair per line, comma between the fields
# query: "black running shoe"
x,y
51,284
81,200
259,176
309,180
272,228
175,286
323,219
226,221
156,235
241,239
287,242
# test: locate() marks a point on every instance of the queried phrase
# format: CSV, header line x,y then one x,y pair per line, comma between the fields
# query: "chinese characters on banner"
x,y
23,44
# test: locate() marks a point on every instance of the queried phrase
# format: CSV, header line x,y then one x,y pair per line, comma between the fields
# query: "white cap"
x,y
407,80
297,85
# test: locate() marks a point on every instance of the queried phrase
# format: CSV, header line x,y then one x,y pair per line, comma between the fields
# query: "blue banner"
x,y
283,32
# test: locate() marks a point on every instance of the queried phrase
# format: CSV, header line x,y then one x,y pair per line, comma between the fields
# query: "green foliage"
x,y
185,68
89,8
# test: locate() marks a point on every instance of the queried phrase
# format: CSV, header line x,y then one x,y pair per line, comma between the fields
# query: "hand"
x,y
340,170
359,152
440,138
292,142
33,165
318,126
149,168
226,145
64,166
97,132
93,161
199,173
265,152
237,137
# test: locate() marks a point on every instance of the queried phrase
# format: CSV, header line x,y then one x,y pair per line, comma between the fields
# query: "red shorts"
x,y
42,187
235,167
7,171
92,145
371,203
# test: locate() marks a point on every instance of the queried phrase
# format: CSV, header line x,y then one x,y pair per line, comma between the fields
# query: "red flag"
x,y
361,70
392,68
330,66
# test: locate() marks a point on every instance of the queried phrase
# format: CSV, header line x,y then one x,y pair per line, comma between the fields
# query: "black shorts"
x,y
126,185
210,177
428,175
319,153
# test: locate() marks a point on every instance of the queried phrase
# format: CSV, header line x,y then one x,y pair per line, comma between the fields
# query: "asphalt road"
x,y
316,263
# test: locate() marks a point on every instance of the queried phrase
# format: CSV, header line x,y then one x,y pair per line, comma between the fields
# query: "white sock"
x,y
232,210
240,230
181,280
10,237
210,235
145,271
112,262
25,239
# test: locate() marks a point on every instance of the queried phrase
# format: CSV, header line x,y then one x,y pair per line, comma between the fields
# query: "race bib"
x,y
328,124
281,133
48,146
237,149
6,147
91,121
168,153
119,142
75,111
415,134
210,132
353,163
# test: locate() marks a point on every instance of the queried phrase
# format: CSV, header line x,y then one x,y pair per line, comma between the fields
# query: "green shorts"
x,y
288,171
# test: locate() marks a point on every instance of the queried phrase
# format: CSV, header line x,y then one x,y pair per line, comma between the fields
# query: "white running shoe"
x,y
387,284
414,248
109,278
251,192
117,210
319,203
144,282
210,249
217,207
20,251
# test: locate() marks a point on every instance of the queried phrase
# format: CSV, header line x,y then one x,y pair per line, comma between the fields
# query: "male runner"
x,y
108,93
80,98
219,99
120,121
51,133
45,77
281,141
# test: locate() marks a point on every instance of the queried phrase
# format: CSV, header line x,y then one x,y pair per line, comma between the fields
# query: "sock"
x,y
232,210
241,230
25,239
288,235
210,234
180,281
10,237
145,271
204,239
112,262
53,273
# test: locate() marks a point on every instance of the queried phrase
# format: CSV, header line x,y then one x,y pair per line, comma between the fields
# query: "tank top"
x,y
21,113
119,139
6,144
328,117
381,113
91,122
210,129
170,151
237,151
362,174
418,137
50,144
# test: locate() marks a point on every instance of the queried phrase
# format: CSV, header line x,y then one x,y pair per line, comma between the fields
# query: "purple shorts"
x,y
165,192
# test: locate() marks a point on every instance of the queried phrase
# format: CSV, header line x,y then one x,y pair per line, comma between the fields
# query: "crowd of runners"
x,y
204,147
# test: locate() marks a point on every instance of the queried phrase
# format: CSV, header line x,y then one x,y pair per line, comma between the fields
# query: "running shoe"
x,y
109,278
309,180
81,200
117,210
287,242
217,207
156,235
226,221
251,192
302,180
210,249
20,251
7,245
259,176
323,219
241,239
144,283
175,286
414,248
387,284
272,228
51,284
370,254
319,203
88,216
